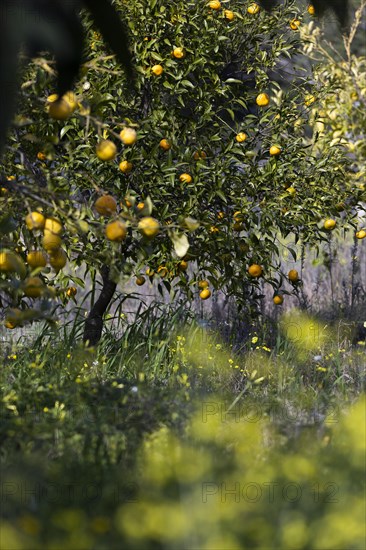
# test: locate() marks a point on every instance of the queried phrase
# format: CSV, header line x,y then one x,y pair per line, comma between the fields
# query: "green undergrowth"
x,y
168,437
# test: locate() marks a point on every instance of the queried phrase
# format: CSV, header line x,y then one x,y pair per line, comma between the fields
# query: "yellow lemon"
x,y
8,262
255,270
128,136
106,150
51,242
53,226
229,15
311,9
361,234
203,284
275,150
35,220
253,9
214,5
242,136
140,280
58,259
329,224
295,24
157,70
149,227
162,270
125,166
116,231
183,265
71,291
60,109
293,275
185,178
106,205
178,53
278,300
205,294
164,144
36,258
262,100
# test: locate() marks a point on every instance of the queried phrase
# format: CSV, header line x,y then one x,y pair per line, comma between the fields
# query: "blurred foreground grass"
x,y
166,437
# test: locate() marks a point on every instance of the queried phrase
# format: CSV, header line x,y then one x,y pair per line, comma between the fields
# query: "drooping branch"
x,y
94,322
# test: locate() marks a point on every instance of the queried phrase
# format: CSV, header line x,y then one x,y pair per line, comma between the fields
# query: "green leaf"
x,y
113,30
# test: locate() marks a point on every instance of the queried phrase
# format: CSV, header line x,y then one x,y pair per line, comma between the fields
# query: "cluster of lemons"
x,y
32,285
253,9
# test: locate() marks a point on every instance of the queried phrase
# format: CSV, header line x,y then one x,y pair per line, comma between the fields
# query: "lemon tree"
x,y
190,175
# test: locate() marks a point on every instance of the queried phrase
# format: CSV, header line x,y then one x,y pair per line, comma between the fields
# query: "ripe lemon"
x,y
293,275
140,280
329,224
178,53
262,100
242,136
58,259
53,226
183,265
255,270
278,299
140,206
164,144
295,24
253,9
229,15
311,9
51,242
116,231
214,5
106,150
238,216
149,227
36,258
9,261
203,284
162,271
205,294
9,325
220,215
35,220
33,287
60,109
157,70
128,136
361,234
71,291
185,178
150,272
125,166
275,150
106,205
41,156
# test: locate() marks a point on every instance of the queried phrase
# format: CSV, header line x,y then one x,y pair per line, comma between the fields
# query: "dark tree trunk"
x,y
94,322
